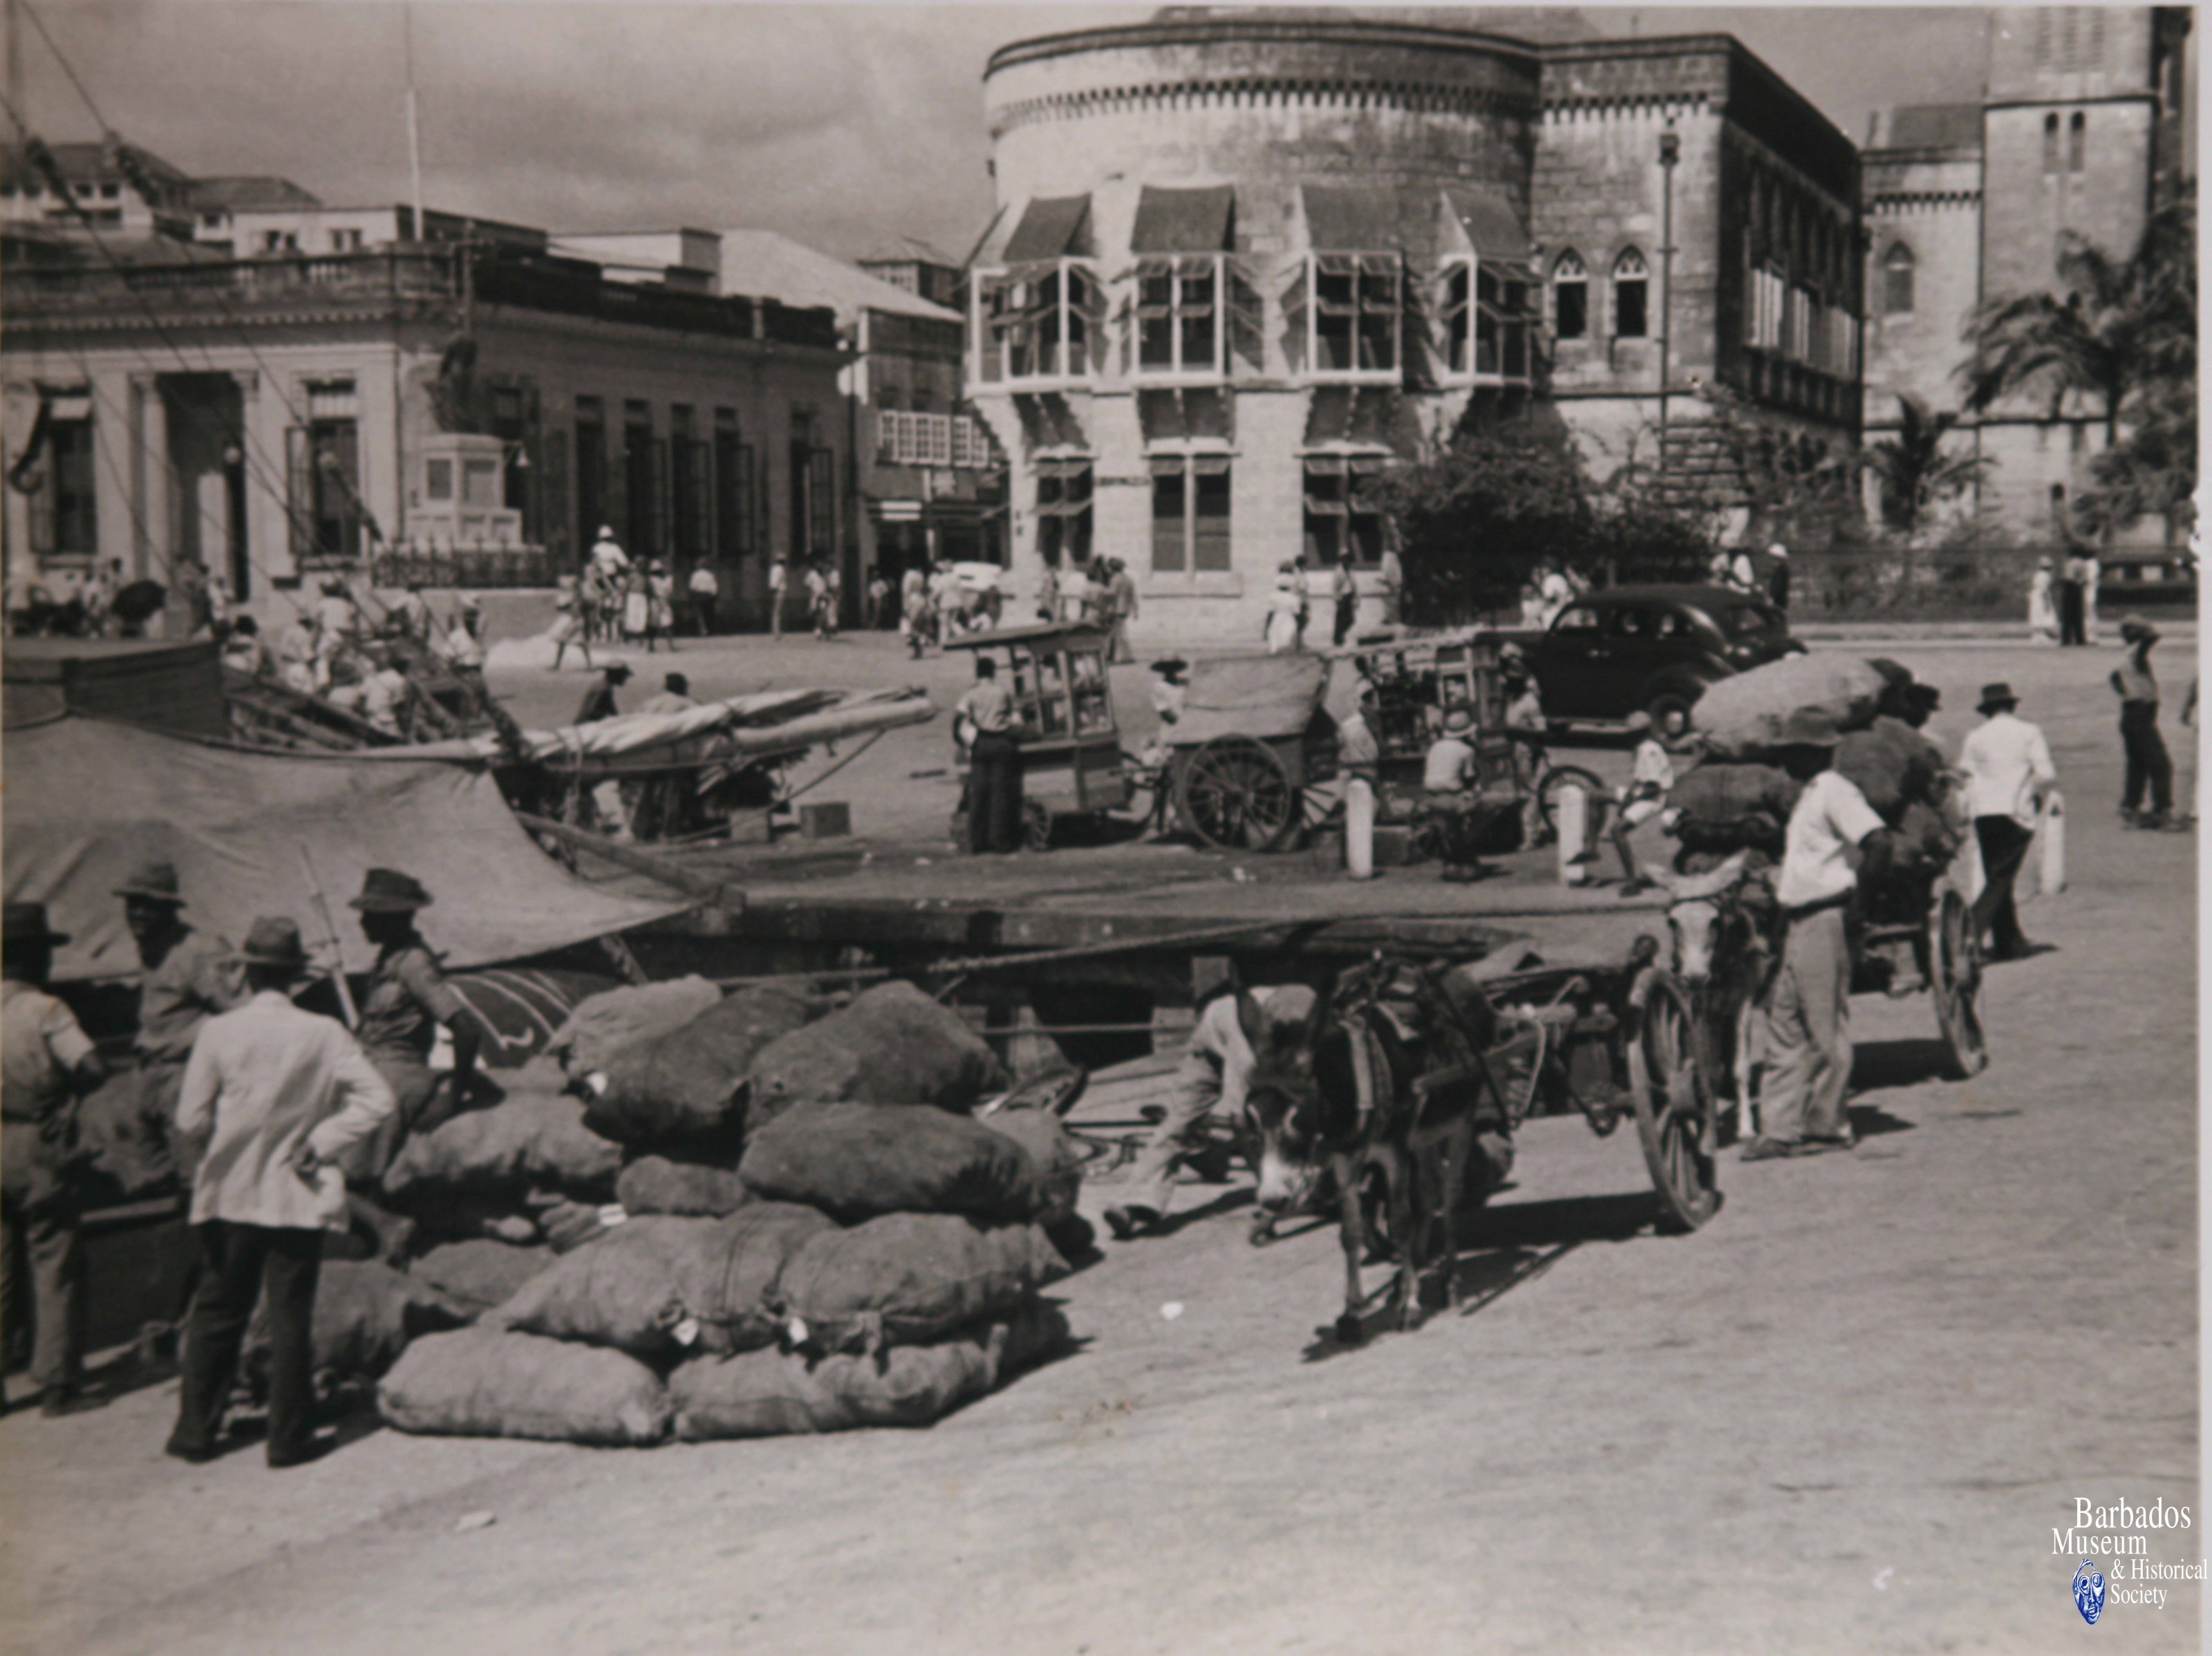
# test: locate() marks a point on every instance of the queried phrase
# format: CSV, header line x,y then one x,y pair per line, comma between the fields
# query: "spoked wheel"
x,y
1557,776
1036,826
1236,795
1956,981
1674,1113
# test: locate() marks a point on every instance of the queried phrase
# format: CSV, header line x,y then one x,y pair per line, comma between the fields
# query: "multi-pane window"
x,y
1356,315
2077,138
1501,324
591,468
59,475
1190,513
1179,315
1632,289
324,459
1341,515
736,491
687,480
1038,323
1763,317
1063,512
641,473
1896,279
1569,298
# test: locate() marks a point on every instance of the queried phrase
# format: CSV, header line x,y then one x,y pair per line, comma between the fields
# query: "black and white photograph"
x,y
1036,829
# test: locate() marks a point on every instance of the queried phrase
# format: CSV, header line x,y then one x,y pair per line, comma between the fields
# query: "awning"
x,y
1184,220
1493,229
1052,226
1344,218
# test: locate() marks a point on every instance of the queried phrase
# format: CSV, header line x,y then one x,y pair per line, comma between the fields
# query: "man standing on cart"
x,y
1833,840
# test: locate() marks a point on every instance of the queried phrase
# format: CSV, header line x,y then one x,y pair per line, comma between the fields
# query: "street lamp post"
x,y
1670,153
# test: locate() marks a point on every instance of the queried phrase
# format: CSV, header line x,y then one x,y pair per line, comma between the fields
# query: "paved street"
x,y
1844,1416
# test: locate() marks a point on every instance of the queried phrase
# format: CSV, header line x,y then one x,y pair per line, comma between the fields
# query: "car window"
x,y
1628,622
1751,620
1673,624
1580,619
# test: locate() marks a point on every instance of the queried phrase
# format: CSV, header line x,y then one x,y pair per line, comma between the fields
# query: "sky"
x,y
842,125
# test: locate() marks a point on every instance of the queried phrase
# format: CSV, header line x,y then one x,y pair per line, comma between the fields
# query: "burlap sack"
x,y
683,1086
893,1044
910,1277
858,1161
481,1382
654,1184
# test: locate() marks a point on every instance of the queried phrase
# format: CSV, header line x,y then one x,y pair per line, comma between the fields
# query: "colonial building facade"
x,y
353,401
1243,263
2079,132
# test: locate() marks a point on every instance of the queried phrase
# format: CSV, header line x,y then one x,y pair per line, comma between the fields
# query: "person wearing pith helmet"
x,y
408,998
274,1099
46,1064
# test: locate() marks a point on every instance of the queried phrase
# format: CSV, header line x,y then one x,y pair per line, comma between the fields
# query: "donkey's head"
x,y
1285,1096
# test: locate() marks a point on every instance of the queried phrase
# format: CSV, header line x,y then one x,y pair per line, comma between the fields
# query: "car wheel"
x,y
1664,702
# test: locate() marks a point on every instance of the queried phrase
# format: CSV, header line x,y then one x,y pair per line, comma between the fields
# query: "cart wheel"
x,y
1557,777
1674,1114
1956,958
1036,826
1236,795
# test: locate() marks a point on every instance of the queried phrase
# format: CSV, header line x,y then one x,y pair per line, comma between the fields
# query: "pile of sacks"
x,y
1737,799
706,1216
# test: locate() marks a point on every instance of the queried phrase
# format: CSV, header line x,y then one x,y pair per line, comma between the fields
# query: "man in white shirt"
x,y
706,593
1643,799
779,577
1451,776
278,1096
1808,1018
1215,1072
994,762
2008,771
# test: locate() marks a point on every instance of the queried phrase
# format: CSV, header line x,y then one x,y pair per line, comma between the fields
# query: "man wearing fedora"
x,y
274,1096
408,998
1834,837
46,1064
2149,768
189,977
2008,771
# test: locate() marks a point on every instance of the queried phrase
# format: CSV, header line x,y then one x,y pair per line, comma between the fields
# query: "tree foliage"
x,y
2123,335
1912,468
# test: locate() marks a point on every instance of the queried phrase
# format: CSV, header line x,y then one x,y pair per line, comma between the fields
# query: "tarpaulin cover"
x,y
1183,221
1259,696
88,800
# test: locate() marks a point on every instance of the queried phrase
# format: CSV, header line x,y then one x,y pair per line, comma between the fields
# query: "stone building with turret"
x,y
2079,131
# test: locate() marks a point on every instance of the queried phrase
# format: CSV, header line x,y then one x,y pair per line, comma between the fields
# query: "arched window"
x,y
1569,298
1896,279
1631,287
2077,135
2051,144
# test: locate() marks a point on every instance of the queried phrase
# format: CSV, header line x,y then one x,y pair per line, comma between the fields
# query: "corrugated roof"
x,y
768,265
1051,227
249,194
1933,126
1184,220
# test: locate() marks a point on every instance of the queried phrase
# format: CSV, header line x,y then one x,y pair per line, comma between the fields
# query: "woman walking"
x,y
2042,605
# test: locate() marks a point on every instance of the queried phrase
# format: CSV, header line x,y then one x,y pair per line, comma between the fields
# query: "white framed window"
x,y
1181,317
1341,515
1190,514
1064,485
1763,315
1487,310
345,241
1570,297
1632,296
1037,322
1355,321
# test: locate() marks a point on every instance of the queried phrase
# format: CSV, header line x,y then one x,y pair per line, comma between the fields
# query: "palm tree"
x,y
1912,468
2122,324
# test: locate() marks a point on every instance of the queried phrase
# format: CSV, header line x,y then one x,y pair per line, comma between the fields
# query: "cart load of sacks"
x,y
709,1217
1736,799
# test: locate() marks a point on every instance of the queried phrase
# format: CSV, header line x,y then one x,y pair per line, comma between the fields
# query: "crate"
x,y
829,820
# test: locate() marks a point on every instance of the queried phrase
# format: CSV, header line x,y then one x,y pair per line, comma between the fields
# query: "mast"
x,y
414,126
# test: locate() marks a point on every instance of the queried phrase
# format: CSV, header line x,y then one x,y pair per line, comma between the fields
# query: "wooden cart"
x,y
1072,765
1252,738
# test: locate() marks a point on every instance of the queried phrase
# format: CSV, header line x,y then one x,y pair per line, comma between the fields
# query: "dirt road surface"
x,y
1846,1416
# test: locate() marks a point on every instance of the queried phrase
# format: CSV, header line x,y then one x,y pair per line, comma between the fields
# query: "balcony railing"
x,y
462,566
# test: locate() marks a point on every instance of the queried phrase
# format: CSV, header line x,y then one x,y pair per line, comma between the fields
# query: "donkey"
x,y
1382,1079
1726,948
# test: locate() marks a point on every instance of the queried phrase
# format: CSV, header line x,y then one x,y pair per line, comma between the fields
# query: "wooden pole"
x,y
704,887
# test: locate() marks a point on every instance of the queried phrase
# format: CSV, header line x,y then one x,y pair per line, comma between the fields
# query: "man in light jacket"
x,y
275,1095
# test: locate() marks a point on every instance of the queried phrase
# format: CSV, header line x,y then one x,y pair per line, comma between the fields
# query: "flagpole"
x,y
414,126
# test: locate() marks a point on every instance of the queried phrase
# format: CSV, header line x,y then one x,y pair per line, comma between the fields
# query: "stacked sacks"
x,y
1741,717
871,1260
365,1313
1719,809
621,1018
